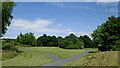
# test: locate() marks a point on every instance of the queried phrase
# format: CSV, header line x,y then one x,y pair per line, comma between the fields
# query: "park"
x,y
45,41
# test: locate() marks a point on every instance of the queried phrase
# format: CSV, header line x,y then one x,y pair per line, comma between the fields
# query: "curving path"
x,y
60,61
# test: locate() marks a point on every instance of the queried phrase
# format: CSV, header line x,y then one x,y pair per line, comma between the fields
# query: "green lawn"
x,y
95,58
28,59
59,52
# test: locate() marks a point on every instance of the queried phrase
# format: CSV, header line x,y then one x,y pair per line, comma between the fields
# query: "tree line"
x,y
69,42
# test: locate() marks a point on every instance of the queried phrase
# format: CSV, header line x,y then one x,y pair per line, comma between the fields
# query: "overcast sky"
x,y
57,18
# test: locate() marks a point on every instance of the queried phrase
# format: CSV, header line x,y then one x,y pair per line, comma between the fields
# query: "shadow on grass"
x,y
94,51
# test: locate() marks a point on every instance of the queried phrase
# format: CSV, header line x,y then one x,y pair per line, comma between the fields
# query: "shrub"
x,y
72,47
9,46
6,46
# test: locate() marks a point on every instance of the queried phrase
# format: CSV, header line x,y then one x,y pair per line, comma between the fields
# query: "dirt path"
x,y
60,61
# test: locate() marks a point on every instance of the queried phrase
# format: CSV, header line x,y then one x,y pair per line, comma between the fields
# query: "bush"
x,y
6,46
9,46
72,47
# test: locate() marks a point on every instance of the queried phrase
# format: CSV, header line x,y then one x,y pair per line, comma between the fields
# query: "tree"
x,y
80,44
108,34
7,9
59,39
87,41
50,41
72,42
26,39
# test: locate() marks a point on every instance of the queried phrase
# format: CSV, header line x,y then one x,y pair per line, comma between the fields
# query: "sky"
x,y
58,18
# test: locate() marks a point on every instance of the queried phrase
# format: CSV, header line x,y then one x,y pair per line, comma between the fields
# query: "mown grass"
x,y
96,58
59,52
28,59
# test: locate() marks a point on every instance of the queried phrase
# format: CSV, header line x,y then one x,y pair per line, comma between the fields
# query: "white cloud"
x,y
81,33
56,4
59,25
63,5
38,25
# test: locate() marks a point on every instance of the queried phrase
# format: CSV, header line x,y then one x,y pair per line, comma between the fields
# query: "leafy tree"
x,y
26,39
80,44
47,41
54,41
59,39
87,41
108,34
72,42
7,9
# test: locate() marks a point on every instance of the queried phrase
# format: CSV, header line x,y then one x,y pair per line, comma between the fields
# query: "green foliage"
x,y
26,39
6,46
7,40
72,47
9,46
60,39
49,41
108,35
87,41
71,42
7,8
80,44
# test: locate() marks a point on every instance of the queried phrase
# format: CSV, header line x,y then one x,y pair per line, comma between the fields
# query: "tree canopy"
x,y
87,41
26,39
72,42
50,41
7,9
108,35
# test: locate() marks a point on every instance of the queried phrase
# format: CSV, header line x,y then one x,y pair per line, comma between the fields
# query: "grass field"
x,y
62,53
108,58
28,59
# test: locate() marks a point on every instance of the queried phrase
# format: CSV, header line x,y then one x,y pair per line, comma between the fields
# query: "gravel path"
x,y
60,61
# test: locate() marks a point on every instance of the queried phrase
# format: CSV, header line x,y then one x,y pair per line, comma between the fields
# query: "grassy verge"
x,y
96,58
8,54
27,59
62,53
